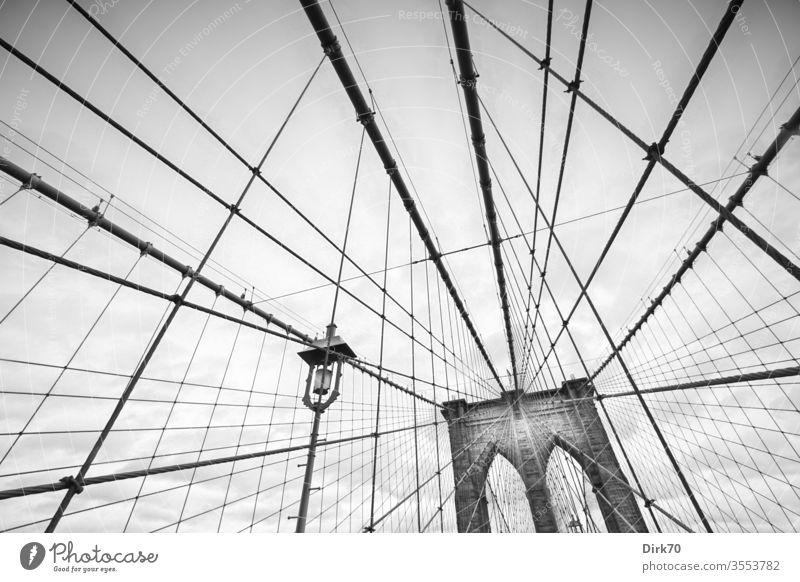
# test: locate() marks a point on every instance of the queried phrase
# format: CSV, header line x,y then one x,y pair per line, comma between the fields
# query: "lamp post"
x,y
324,359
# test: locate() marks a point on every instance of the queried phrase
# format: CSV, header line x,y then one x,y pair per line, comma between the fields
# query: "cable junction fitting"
x,y
573,85
72,484
654,152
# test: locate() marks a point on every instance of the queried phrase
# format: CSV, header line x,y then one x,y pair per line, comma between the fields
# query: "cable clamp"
x,y
148,246
72,484
176,299
392,168
97,216
479,141
189,273
649,502
369,529
573,85
654,152
220,290
366,117
332,47
32,183
545,64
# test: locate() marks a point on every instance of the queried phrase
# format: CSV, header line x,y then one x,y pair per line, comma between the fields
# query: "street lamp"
x,y
324,359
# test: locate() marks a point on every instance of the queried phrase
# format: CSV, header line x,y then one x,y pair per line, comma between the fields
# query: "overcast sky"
x,y
241,66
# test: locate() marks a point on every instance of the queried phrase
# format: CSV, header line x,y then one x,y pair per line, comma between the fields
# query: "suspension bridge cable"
x,y
72,357
157,229
468,82
365,115
735,200
540,159
256,174
654,152
600,321
580,358
571,88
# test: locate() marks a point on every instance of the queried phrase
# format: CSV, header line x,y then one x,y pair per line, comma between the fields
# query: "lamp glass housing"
x,y
322,380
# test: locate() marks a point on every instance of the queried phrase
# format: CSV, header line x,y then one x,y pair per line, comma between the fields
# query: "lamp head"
x,y
322,380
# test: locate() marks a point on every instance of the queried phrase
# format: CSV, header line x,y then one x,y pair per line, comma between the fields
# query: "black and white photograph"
x,y
405,267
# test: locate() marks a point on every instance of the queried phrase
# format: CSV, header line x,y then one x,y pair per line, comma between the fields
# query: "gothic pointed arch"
x,y
525,428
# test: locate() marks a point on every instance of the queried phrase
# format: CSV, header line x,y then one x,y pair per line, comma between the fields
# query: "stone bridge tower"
x,y
525,428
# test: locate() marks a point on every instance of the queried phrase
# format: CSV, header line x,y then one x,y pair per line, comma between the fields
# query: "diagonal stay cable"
x,y
63,369
540,159
291,334
75,483
571,88
581,359
255,171
654,152
759,169
366,116
468,81
610,340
